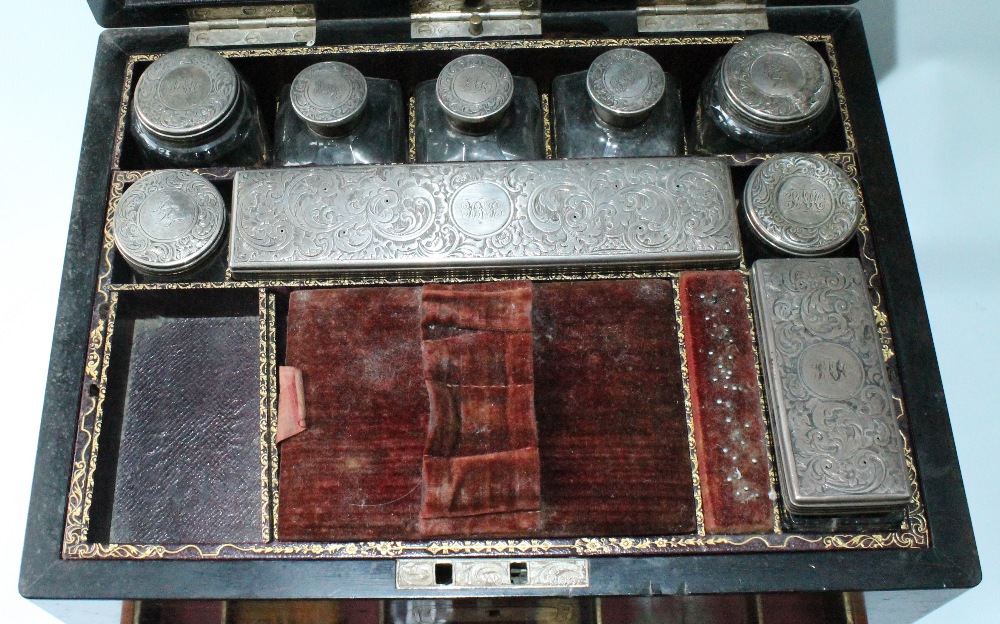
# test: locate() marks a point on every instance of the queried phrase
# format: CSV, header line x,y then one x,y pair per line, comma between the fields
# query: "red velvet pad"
x,y
728,422
481,460
355,473
609,399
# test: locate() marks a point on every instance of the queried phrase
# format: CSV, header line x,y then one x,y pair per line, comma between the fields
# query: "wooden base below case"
x,y
814,608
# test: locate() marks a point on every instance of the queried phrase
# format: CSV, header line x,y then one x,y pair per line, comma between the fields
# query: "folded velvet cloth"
x,y
481,473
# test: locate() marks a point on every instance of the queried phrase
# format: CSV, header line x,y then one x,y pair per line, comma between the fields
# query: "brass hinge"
x,y
701,15
253,25
452,19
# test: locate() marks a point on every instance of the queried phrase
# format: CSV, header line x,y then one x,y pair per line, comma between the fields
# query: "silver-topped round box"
x,y
624,105
329,97
770,92
169,223
191,108
801,205
332,114
624,86
475,91
476,110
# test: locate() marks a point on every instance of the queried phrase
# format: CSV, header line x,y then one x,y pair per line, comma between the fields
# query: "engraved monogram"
x,y
837,433
625,80
489,214
474,86
328,92
778,77
186,90
481,209
167,219
802,203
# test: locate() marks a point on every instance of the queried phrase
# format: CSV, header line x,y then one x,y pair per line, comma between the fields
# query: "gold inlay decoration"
x,y
699,510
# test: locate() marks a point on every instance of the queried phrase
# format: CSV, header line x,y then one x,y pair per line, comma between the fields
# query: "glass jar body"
x,y
241,141
580,133
376,138
518,135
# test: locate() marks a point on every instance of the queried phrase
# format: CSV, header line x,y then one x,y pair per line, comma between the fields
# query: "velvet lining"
x,y
355,473
610,403
419,402
726,403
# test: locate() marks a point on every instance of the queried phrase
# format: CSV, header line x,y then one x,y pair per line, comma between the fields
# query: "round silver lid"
x,y
169,222
329,95
475,89
186,93
802,205
776,79
624,86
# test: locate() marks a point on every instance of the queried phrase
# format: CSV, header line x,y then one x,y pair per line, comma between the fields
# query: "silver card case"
x,y
663,212
838,444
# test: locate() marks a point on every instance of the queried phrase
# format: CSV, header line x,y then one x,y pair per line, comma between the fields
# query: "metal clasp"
x,y
451,19
252,25
701,15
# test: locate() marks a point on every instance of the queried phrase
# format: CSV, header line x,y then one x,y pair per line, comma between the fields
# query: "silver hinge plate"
x,y
252,25
453,19
701,15
452,574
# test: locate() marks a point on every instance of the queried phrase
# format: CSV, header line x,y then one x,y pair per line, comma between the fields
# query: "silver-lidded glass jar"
x,y
770,92
801,205
170,224
476,110
192,109
624,105
333,115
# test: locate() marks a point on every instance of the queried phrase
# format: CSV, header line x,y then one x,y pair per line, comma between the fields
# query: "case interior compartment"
x,y
690,59
183,429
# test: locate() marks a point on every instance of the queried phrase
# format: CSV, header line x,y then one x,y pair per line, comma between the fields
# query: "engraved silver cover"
x,y
801,205
186,93
838,444
329,95
624,86
475,89
776,80
169,222
670,212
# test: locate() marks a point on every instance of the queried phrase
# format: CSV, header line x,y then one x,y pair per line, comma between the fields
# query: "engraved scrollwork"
x,y
482,574
482,211
802,203
834,398
778,76
572,573
415,574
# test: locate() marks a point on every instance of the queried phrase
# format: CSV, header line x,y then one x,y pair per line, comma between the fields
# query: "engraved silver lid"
x,y
801,205
169,222
624,86
186,94
329,96
775,80
837,440
475,90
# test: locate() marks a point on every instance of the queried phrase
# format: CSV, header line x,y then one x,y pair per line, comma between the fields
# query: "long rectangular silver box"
x,y
838,443
664,212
